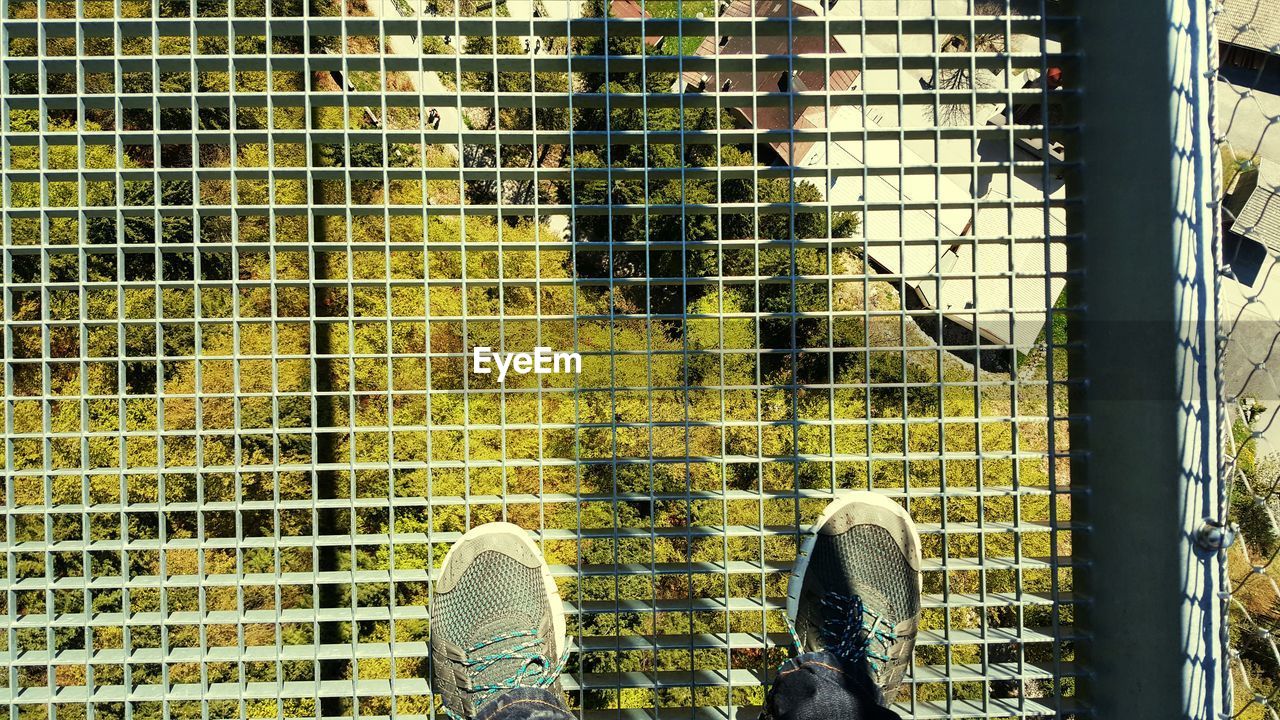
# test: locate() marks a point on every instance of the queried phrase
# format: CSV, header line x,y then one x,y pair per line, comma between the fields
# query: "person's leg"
x,y
498,629
854,607
816,686
527,704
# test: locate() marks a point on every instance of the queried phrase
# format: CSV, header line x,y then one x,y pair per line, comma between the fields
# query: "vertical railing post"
x,y
1152,613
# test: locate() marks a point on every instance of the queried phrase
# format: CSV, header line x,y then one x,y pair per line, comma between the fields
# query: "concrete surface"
x,y
557,9
1250,313
1250,119
426,82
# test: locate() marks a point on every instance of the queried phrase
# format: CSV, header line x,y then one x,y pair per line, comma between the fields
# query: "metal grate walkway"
x,y
248,246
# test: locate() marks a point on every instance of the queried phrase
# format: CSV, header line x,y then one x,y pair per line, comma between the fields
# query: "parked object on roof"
x,y
1035,113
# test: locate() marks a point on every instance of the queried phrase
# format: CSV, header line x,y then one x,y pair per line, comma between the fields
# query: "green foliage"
x,y
681,8
1248,509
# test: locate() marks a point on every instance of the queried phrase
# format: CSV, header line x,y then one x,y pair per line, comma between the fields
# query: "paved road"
x,y
555,8
426,82
1249,314
1250,120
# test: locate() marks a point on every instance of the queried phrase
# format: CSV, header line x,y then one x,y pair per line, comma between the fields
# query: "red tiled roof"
x,y
776,117
632,9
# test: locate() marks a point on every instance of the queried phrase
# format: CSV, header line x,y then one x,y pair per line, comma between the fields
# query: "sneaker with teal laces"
x,y
497,622
855,589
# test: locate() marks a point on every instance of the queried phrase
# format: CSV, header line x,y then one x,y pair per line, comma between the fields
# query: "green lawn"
x,y
688,9
1235,164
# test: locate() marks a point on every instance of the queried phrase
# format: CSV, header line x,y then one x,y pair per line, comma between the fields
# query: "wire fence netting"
x,y
1248,125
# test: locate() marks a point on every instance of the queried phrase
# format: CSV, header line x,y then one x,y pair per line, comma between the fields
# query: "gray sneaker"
x,y
496,620
855,589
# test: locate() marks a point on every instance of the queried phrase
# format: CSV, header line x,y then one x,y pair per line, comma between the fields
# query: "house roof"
x,y
1004,285
1251,23
632,9
1259,220
773,117
996,272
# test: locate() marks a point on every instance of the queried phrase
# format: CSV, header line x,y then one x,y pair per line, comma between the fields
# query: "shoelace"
x,y
848,630
535,668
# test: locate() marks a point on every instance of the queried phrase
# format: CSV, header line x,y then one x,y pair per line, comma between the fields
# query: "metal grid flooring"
x,y
240,430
